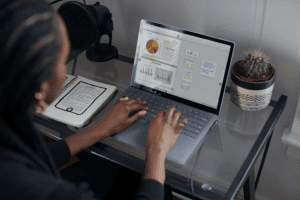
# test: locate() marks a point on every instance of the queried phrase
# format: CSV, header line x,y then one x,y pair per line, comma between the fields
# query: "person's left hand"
x,y
116,118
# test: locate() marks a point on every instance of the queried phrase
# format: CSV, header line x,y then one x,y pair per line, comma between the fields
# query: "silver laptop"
x,y
181,68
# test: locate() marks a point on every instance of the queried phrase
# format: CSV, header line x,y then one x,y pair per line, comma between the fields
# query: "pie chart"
x,y
152,46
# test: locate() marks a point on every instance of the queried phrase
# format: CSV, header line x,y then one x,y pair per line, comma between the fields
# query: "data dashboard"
x,y
180,64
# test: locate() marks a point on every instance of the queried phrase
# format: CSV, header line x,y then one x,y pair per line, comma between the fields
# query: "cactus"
x,y
255,65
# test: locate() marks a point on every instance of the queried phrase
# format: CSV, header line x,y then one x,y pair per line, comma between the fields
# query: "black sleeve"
x,y
150,189
60,152
22,182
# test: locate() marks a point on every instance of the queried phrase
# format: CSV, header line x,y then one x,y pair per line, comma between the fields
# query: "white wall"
x,y
272,25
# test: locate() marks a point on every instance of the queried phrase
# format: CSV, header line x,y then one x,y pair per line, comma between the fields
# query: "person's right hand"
x,y
163,130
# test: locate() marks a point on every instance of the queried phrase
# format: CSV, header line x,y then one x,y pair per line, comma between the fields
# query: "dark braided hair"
x,y
30,44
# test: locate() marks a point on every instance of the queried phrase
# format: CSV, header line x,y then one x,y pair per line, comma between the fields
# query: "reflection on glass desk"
x,y
222,157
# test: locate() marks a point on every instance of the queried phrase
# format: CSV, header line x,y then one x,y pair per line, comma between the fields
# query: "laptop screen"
x,y
181,64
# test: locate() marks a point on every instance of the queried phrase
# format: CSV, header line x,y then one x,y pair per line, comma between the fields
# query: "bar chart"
x,y
146,71
163,75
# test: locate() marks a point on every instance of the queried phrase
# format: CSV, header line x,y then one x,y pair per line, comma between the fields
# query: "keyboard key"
x,y
135,95
207,116
151,105
150,99
157,99
197,116
190,114
155,107
194,120
143,120
182,131
187,133
129,94
160,104
197,126
200,122
204,119
188,118
151,114
182,110
189,128
147,118
182,116
193,135
151,110
185,113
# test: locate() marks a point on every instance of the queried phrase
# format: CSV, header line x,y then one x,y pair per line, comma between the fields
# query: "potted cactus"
x,y
252,81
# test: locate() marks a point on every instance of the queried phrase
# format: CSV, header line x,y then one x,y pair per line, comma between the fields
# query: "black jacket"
x,y
21,180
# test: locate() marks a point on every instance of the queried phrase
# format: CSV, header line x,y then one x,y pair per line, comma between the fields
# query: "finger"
x,y
160,113
132,101
180,126
123,98
136,117
136,106
170,113
118,101
37,108
39,95
40,106
175,118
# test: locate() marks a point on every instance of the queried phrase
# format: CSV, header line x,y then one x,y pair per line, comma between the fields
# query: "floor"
x,y
75,159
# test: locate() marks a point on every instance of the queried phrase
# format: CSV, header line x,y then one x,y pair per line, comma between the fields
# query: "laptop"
x,y
177,67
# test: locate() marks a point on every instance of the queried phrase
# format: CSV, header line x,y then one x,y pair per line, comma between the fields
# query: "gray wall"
x,y
272,25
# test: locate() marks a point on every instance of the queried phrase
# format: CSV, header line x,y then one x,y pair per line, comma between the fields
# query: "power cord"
x,y
196,163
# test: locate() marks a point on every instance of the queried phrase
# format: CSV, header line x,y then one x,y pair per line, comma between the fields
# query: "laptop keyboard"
x,y
197,120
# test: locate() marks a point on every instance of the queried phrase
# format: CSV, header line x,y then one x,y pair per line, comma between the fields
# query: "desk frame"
x,y
181,185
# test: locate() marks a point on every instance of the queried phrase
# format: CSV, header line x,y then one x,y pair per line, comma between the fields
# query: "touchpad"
x,y
134,135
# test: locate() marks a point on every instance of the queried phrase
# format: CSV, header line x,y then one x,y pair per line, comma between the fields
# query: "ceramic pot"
x,y
251,96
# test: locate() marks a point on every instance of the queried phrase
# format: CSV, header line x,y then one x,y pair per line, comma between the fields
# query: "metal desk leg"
x,y
263,160
249,187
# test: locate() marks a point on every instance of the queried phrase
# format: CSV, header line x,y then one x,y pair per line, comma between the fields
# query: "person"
x,y
34,51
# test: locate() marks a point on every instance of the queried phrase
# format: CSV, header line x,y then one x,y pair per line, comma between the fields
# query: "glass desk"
x,y
227,158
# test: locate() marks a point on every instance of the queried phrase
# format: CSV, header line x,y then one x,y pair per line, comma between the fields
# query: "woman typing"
x,y
34,50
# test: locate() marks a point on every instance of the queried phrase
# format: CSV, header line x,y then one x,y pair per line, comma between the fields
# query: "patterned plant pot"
x,y
251,96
